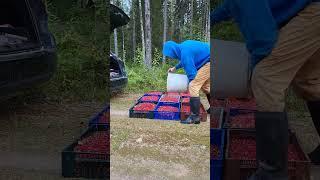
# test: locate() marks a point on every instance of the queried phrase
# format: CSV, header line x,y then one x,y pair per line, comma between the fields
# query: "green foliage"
x,y
82,47
142,79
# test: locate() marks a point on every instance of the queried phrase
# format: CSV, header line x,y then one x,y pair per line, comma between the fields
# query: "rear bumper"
x,y
117,84
24,70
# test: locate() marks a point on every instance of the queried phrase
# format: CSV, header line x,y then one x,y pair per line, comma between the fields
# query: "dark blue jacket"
x,y
259,21
192,55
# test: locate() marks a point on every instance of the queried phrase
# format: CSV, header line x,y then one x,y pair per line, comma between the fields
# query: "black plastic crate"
x,y
141,114
85,164
242,168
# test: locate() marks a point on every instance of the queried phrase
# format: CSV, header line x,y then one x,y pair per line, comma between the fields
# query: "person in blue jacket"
x,y
283,38
194,58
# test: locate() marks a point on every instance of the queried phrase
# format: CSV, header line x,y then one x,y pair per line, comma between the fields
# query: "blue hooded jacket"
x,y
259,21
192,55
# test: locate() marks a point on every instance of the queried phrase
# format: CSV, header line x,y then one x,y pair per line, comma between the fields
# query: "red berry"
x,y
246,121
242,103
150,98
172,94
144,107
168,109
155,93
97,144
171,99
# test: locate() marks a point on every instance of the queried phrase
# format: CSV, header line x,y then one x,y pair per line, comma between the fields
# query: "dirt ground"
x,y
149,149
33,134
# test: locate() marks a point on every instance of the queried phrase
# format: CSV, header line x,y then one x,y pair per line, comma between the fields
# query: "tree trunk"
x,y
172,18
165,25
191,19
148,57
116,42
142,31
133,30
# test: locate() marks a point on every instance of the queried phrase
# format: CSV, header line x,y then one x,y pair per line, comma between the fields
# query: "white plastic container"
x,y
231,73
177,82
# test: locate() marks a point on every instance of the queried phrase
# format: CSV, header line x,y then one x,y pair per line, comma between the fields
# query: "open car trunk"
x,y
17,26
116,68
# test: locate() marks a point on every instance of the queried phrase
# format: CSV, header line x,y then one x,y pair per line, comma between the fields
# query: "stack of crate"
x,y
89,156
240,145
164,106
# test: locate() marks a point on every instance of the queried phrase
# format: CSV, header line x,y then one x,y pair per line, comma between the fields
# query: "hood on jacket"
x,y
171,49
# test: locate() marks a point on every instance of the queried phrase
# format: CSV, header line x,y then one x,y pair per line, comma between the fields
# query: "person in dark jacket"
x,y
194,58
283,38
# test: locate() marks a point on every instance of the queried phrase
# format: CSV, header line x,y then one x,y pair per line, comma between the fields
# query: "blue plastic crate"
x,y
139,100
217,138
178,102
167,115
94,122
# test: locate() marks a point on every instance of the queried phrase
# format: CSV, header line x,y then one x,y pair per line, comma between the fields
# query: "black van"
x,y
118,75
27,48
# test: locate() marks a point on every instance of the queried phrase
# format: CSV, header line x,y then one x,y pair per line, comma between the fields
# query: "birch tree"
x,y
148,57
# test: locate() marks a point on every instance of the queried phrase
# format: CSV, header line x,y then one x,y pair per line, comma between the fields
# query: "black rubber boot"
x,y
194,118
314,108
272,146
209,99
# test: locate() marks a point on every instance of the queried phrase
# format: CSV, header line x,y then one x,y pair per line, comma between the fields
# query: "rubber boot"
x,y
314,108
272,146
209,99
194,118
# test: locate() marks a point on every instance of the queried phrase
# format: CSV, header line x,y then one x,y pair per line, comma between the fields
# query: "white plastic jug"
x,y
177,82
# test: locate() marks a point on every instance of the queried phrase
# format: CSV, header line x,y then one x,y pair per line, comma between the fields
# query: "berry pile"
x,y
158,93
215,152
246,121
97,142
144,107
172,94
214,122
185,100
171,99
185,94
245,149
103,119
168,109
150,98
242,103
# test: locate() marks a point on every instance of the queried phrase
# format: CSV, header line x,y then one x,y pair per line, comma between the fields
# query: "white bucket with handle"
x,y
177,82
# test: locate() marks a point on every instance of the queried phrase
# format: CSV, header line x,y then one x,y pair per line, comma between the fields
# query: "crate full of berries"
x,y
217,142
89,156
240,119
102,119
241,103
218,102
149,98
241,162
154,93
186,112
170,99
167,111
216,117
143,110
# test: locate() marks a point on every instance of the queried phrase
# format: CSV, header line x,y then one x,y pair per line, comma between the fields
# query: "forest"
x,y
81,30
152,23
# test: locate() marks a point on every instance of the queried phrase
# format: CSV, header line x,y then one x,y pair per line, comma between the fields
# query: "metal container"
x,y
230,64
